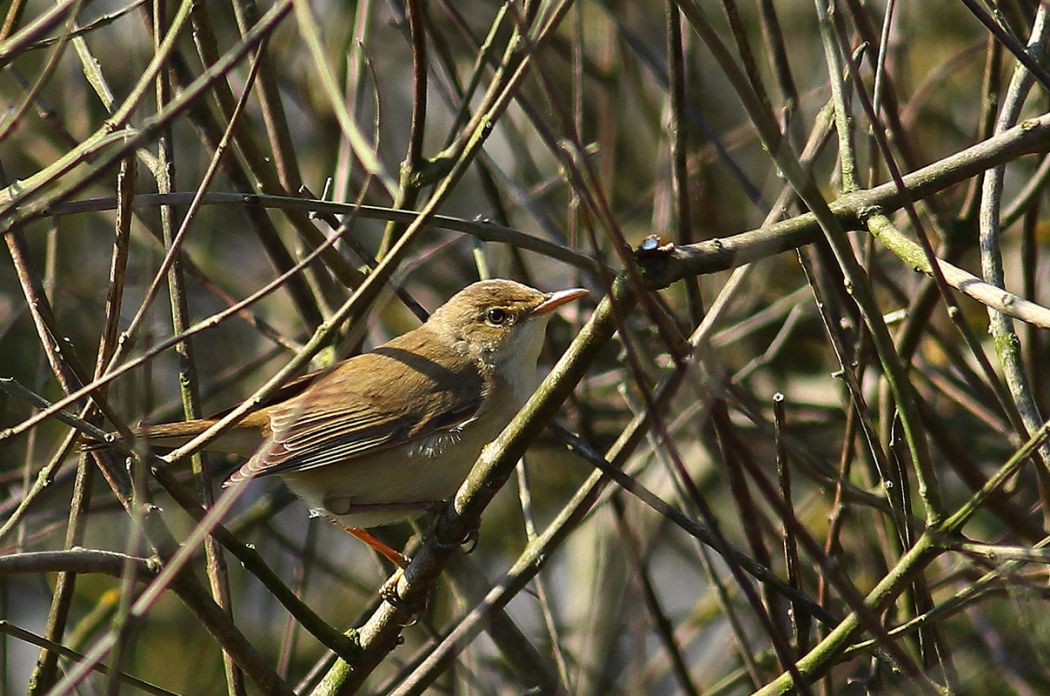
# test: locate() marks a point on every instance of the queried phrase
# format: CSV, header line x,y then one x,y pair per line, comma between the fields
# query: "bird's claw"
x,y
469,540
389,589
390,594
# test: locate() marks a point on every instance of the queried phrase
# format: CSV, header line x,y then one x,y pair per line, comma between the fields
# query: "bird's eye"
x,y
497,316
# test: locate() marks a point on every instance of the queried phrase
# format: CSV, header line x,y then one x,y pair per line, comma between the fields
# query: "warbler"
x,y
386,435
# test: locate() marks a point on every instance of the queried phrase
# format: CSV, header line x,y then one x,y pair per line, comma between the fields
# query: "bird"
x,y
389,434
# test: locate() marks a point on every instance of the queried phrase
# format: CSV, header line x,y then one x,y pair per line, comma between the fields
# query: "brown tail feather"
x,y
243,438
157,434
162,435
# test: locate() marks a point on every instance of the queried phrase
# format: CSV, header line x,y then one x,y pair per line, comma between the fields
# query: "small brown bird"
x,y
386,435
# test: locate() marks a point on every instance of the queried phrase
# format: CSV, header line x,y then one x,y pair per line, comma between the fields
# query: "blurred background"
x,y
592,150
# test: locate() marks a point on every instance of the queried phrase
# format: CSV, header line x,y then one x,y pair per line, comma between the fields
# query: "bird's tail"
x,y
243,438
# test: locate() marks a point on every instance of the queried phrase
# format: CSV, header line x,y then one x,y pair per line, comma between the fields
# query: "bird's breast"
x,y
512,385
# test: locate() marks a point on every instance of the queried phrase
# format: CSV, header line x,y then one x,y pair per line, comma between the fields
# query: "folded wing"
x,y
393,395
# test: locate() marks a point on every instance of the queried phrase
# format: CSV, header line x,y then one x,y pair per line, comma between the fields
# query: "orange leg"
x,y
396,557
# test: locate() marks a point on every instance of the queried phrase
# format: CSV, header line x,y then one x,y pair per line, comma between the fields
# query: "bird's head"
x,y
499,321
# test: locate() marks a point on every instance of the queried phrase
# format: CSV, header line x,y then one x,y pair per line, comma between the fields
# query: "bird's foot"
x,y
468,543
413,608
389,589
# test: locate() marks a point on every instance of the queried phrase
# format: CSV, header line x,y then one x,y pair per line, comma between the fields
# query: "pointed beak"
x,y
557,299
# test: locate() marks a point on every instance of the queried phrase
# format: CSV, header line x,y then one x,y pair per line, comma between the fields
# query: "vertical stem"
x,y
411,181
663,625
679,136
542,594
1000,327
778,62
45,673
800,619
189,385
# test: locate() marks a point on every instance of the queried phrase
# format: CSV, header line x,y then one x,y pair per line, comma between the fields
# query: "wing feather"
x,y
381,399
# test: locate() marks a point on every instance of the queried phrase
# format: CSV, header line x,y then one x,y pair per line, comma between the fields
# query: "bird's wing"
x,y
373,401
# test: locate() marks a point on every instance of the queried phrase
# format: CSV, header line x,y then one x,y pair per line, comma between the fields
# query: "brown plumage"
x,y
390,396
387,434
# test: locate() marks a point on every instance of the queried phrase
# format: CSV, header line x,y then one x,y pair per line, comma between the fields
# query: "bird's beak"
x,y
557,299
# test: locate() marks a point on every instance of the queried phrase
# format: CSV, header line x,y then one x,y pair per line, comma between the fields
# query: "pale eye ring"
x,y
497,316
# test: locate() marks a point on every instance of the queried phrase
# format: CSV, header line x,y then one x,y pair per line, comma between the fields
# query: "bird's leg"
x,y
389,589
396,557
